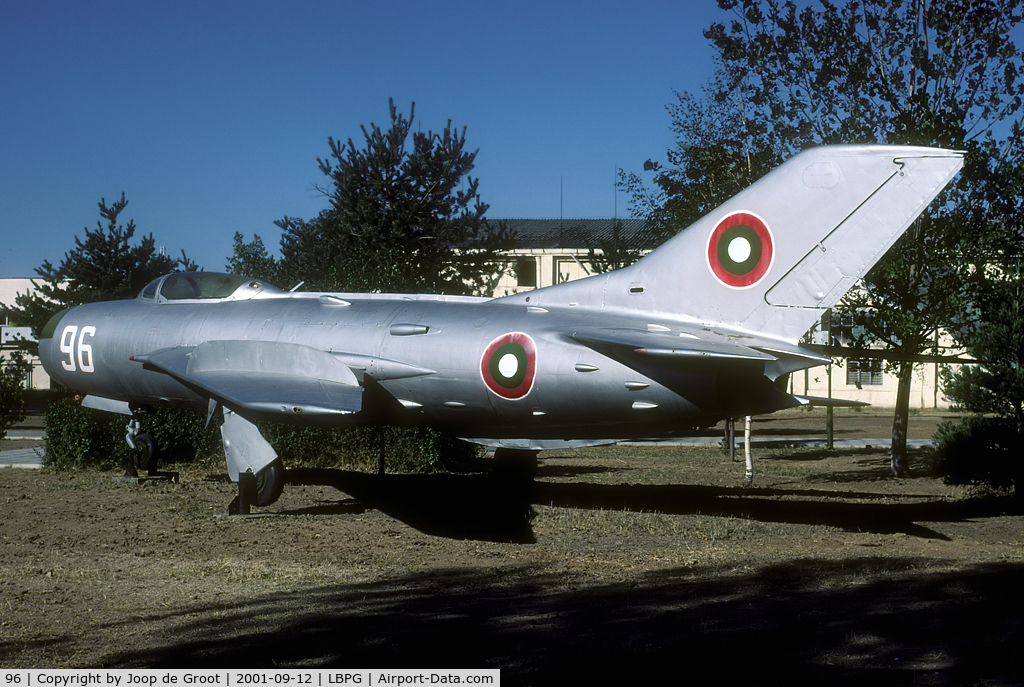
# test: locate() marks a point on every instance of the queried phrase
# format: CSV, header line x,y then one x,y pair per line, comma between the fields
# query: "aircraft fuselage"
x,y
462,378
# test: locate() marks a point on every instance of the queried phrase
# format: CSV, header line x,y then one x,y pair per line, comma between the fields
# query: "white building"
x,y
11,332
551,251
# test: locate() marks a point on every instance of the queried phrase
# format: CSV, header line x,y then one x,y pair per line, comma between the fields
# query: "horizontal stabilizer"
x,y
890,355
668,345
829,402
272,380
539,444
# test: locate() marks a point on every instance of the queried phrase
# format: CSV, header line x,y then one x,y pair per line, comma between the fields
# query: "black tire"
x,y
269,484
146,453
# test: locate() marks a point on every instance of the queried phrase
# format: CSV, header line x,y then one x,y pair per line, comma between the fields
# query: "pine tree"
x,y
105,265
405,217
988,445
940,73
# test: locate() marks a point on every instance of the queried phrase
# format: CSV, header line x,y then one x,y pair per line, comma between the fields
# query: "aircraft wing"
x,y
273,380
829,402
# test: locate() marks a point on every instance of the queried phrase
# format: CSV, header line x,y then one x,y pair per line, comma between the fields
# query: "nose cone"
x,y
47,347
52,324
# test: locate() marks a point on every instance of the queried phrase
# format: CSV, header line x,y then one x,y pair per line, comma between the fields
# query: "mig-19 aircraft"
x,y
705,327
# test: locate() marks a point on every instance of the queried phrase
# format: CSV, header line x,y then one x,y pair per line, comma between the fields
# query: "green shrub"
x,y
182,436
980,450
78,437
424,449
406,449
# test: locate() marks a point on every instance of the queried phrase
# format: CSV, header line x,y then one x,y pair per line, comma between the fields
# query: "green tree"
x,y
253,260
717,154
105,265
405,217
941,73
995,386
988,445
13,373
616,251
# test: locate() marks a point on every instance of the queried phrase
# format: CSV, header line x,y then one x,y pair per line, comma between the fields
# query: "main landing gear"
x,y
258,490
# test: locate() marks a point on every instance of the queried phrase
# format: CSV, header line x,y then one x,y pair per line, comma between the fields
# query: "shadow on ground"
x,y
497,506
852,622
494,506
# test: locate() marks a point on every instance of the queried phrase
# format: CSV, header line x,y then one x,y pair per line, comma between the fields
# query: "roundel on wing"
x,y
509,364
740,250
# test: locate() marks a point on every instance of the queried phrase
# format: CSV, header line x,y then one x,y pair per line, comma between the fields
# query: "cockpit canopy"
x,y
205,286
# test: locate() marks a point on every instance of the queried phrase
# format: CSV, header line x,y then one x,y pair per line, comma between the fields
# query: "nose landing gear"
x,y
144,453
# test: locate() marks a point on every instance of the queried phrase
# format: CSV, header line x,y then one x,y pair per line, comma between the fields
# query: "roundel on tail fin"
x,y
740,250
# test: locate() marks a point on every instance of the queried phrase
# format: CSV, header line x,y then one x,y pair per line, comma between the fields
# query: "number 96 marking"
x,y
72,344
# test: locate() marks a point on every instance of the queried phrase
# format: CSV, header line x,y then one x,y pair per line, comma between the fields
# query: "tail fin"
x,y
776,255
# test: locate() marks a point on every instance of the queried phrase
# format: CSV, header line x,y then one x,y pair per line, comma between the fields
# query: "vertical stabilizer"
x,y
777,254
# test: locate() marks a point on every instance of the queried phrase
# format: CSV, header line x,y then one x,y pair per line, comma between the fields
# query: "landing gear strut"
x,y
144,451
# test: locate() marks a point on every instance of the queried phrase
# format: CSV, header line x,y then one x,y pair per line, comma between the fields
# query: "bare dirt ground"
x,y
628,564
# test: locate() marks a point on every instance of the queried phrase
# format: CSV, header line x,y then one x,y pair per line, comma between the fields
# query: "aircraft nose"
x,y
52,324
47,346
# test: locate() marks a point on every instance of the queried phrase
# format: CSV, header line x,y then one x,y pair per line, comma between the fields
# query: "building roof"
x,y
574,233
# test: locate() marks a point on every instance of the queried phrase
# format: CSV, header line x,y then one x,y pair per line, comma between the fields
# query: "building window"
x,y
857,327
864,372
526,272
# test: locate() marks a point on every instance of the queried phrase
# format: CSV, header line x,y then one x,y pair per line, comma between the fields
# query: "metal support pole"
x,y
730,437
749,477
829,420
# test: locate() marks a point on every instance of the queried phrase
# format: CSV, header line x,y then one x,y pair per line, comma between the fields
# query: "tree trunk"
x,y
900,463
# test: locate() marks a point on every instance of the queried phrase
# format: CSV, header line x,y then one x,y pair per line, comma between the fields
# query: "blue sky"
x,y
210,115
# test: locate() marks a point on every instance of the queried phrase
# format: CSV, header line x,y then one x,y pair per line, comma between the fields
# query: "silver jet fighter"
x,y
704,328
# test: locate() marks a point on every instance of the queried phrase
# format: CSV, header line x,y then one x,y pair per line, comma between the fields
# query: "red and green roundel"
x,y
509,365
740,250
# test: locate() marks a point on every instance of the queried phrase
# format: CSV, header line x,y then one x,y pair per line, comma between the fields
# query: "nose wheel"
x,y
143,454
